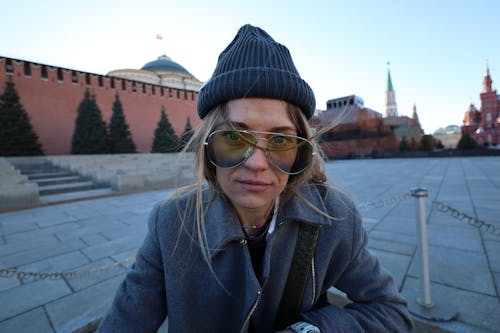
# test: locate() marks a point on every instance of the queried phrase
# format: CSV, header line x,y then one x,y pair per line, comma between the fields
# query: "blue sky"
x,y
436,49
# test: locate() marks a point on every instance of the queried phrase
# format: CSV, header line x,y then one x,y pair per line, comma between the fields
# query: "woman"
x,y
218,258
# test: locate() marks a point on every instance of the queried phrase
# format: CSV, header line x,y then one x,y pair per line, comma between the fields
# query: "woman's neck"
x,y
254,217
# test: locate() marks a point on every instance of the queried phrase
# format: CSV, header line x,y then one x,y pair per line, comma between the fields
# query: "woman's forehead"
x,y
259,114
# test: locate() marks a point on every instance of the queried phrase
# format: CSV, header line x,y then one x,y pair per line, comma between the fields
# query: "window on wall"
x,y
185,95
87,79
170,93
8,66
192,95
74,78
134,88
143,88
161,91
44,72
178,94
59,75
112,83
99,80
124,86
152,90
27,69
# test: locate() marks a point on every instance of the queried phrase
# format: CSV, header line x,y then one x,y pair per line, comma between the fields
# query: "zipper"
x,y
313,280
252,310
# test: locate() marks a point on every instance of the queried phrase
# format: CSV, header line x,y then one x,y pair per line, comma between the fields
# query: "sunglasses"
x,y
230,148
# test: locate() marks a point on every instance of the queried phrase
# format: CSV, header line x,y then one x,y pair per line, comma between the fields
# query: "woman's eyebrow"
x,y
278,129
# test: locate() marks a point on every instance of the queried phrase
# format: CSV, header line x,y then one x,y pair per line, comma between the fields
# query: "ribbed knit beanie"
x,y
255,65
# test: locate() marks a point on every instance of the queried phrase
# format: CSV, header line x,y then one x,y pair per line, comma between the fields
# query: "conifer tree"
x,y
165,140
404,145
120,138
467,142
17,137
90,135
187,134
426,143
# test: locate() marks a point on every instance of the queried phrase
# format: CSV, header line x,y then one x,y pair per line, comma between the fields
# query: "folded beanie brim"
x,y
256,82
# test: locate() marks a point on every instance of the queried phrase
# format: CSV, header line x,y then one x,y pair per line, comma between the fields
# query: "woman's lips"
x,y
254,185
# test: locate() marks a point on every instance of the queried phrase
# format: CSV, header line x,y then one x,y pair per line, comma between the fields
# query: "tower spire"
x,y
391,108
487,82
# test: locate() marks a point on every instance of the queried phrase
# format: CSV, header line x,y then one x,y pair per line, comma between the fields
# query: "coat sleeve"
x,y
139,304
377,305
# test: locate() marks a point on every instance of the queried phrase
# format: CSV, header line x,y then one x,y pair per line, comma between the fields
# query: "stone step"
x,y
42,175
57,180
69,187
77,195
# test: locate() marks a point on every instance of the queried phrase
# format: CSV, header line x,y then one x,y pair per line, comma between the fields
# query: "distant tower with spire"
x,y
391,108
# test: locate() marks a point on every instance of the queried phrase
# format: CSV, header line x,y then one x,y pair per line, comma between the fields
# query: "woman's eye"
x,y
232,136
279,140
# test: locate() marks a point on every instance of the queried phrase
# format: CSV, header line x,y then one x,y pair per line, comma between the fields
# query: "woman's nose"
x,y
258,160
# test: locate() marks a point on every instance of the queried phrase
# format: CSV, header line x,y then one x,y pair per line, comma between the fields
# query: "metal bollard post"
x,y
424,298
422,304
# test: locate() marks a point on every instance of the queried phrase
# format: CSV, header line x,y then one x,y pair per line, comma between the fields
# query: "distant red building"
x,y
484,124
51,96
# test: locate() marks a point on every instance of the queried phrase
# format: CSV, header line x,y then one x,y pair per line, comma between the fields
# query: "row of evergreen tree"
x,y
90,136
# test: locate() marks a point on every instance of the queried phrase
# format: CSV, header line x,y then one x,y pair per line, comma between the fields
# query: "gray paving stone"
x,y
458,268
39,253
101,225
8,282
49,219
399,224
454,237
40,232
391,245
396,264
493,250
61,263
113,247
98,271
77,310
475,309
16,247
11,227
34,321
135,229
393,236
93,239
26,297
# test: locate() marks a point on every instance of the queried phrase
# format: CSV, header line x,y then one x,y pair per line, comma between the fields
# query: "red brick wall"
x,y
52,105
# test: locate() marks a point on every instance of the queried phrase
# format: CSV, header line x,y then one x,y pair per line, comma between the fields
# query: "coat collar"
x,y
222,225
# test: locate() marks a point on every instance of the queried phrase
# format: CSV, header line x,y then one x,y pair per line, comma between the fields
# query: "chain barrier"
x,y
35,276
384,202
22,275
475,222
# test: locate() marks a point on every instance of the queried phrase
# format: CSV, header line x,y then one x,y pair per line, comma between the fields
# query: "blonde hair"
x,y
205,171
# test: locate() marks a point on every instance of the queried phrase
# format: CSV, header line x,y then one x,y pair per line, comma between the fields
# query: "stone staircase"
x,y
57,184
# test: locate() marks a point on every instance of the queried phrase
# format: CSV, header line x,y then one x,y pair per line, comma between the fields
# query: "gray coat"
x,y
171,277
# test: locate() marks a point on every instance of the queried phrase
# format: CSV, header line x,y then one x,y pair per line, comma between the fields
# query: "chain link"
x,y
480,224
13,272
384,202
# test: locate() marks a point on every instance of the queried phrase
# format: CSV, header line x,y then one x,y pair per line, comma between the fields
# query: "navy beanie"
x,y
255,65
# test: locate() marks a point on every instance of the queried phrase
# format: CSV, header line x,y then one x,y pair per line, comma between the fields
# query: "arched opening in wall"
x,y
87,79
144,88
8,66
59,75
170,93
112,83
134,88
44,72
161,91
99,81
124,85
178,94
27,69
152,90
192,95
185,95
74,78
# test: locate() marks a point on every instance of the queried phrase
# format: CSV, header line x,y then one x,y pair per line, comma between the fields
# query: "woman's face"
x,y
253,186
